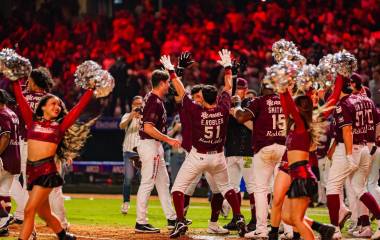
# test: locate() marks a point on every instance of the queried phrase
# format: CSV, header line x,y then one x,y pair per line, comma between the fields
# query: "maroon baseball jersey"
x,y
357,111
33,98
9,123
186,128
269,121
209,126
153,113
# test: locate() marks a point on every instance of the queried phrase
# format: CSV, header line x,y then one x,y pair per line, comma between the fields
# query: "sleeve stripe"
x,y
249,110
1,133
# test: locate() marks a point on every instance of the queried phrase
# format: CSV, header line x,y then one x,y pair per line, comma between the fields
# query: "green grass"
x,y
106,212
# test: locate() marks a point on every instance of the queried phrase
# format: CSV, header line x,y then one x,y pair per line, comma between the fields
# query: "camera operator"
x,y
130,122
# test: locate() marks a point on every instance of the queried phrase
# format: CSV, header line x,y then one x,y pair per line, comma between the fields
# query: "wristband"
x,y
172,74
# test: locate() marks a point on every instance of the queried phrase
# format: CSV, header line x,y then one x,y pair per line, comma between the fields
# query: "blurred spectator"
x,y
52,36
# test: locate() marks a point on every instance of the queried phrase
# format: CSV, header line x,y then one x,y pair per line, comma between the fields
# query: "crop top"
x,y
47,130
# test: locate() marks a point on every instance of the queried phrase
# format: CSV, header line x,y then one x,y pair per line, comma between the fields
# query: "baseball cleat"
x,y
273,236
145,228
171,224
4,232
214,228
188,221
337,234
256,235
286,236
69,236
4,221
326,232
353,227
179,229
240,225
364,232
251,226
231,225
124,208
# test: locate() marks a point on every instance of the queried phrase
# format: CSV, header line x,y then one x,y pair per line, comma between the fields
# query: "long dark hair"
x,y
39,113
305,108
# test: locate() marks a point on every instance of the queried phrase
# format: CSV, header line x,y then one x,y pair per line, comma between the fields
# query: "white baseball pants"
x,y
153,174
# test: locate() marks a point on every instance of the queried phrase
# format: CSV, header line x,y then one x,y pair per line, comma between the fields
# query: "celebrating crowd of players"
x,y
271,136
225,136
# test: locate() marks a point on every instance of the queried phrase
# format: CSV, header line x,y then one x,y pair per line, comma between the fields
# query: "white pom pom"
x,y
89,74
281,75
13,66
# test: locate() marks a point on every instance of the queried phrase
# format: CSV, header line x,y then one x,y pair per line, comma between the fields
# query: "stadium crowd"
x,y
56,36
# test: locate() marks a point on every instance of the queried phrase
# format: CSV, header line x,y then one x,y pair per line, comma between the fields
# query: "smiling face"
x,y
52,108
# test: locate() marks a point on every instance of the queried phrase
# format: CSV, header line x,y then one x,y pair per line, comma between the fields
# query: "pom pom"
x,y
13,66
282,48
90,75
345,63
307,77
282,75
326,70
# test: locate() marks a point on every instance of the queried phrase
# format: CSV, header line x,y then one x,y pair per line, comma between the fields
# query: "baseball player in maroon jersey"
x,y
268,147
353,117
9,158
208,137
153,167
359,212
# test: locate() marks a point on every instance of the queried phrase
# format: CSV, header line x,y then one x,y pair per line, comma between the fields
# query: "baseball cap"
x,y
241,83
356,78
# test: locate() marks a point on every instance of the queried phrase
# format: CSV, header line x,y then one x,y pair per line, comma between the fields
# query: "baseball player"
x,y
239,150
268,146
153,167
208,137
9,158
353,117
217,197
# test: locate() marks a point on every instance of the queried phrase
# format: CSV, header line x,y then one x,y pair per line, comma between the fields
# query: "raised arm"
x,y
178,85
26,111
334,97
74,113
225,61
292,110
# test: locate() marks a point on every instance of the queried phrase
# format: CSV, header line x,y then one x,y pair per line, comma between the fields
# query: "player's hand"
x,y
185,60
225,58
235,67
165,60
236,101
174,142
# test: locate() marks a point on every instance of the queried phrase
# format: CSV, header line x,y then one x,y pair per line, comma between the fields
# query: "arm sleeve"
x,y
74,113
343,116
26,111
292,110
283,105
253,107
334,97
